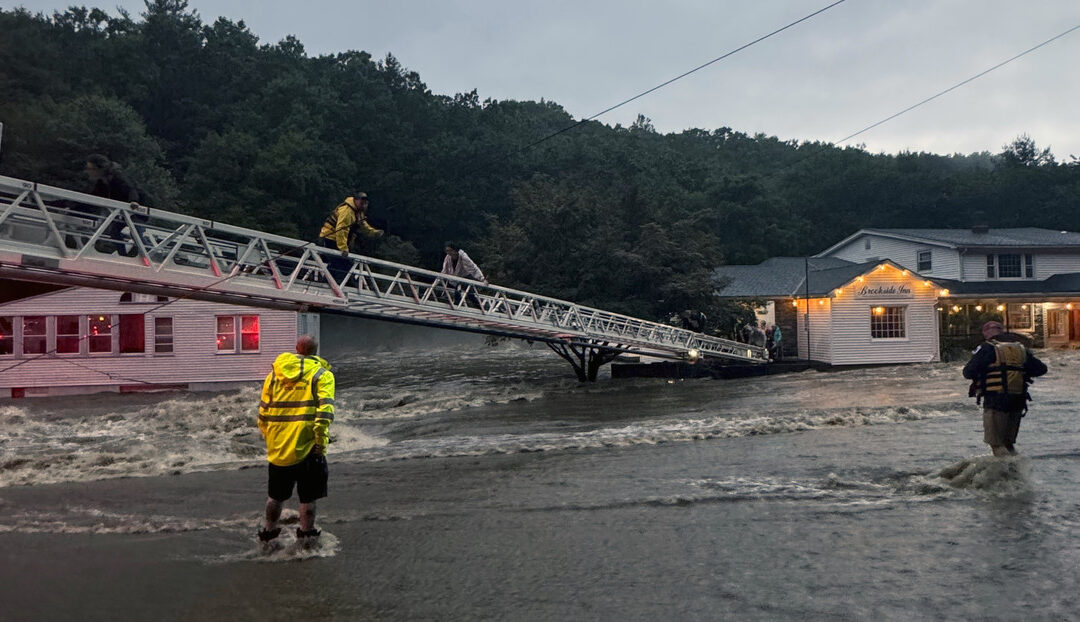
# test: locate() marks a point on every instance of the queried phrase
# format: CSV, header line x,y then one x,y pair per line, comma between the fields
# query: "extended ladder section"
x,y
53,235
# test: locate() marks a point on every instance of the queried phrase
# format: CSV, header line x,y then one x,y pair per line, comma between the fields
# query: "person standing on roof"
x,y
295,412
108,181
1000,370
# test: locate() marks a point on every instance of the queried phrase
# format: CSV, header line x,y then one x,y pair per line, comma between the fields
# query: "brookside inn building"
x,y
899,295
81,340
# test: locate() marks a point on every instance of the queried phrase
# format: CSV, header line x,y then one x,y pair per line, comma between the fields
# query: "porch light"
x,y
903,272
859,279
839,291
927,283
795,303
940,308
1024,307
944,292
956,308
821,301
879,310
978,307
1069,306
1001,307
881,267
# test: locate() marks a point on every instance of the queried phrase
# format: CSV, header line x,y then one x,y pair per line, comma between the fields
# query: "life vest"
x,y
1005,376
296,408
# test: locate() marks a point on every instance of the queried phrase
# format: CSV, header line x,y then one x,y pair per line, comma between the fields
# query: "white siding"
x,y
1049,264
820,337
194,358
851,340
944,262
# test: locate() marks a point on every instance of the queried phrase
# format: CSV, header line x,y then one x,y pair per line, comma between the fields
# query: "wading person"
x,y
295,412
1000,370
341,227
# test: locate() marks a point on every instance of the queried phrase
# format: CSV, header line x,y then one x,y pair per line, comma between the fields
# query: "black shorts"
x,y
309,476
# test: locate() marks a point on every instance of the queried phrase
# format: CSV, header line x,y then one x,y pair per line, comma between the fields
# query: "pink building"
x,y
80,340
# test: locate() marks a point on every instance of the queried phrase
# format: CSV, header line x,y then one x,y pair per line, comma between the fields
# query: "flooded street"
x,y
486,483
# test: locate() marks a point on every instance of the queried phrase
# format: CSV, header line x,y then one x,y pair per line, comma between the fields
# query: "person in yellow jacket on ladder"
x,y
341,226
295,412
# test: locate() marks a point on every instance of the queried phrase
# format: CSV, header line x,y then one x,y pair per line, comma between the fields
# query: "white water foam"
x,y
649,433
179,435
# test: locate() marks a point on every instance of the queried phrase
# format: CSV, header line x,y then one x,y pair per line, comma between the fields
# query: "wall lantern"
x,y
944,292
978,307
1069,306
1001,307
879,310
956,308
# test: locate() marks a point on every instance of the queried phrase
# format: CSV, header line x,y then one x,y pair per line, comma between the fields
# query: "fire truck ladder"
x,y
57,236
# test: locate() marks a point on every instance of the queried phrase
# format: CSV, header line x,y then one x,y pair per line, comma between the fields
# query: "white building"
x,y
842,313
1028,278
80,340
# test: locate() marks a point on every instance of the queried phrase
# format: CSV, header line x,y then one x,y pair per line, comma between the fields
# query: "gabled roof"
x,y
783,277
1024,237
777,277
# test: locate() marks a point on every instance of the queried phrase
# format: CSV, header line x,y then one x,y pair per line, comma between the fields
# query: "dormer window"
x,y
924,261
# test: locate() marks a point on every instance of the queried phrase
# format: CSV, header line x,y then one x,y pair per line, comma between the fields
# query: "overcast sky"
x,y
823,79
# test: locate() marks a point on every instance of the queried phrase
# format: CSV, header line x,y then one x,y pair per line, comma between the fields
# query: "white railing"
x,y
54,235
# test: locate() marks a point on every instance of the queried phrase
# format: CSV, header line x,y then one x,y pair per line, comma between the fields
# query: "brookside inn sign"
x,y
891,290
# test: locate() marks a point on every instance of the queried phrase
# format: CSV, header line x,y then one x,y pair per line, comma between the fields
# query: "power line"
x,y
680,76
958,85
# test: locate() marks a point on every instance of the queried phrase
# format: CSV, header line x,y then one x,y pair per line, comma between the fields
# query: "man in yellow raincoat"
x,y
295,412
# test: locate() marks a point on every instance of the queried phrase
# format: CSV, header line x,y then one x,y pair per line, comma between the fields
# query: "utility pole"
x,y
806,284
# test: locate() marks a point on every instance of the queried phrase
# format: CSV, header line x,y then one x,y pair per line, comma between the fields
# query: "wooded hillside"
x,y
208,120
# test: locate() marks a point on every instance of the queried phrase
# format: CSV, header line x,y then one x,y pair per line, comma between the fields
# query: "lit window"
x,y
99,330
34,334
132,333
887,323
226,333
924,262
1058,323
232,329
163,335
7,336
68,336
249,333
1020,316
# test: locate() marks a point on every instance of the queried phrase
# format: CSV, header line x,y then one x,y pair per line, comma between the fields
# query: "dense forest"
x,y
210,121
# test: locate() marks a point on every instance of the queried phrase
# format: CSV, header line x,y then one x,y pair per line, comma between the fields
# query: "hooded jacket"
x,y
340,223
296,408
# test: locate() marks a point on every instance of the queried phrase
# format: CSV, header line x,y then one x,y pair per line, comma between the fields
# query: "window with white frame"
x,y
924,262
68,336
1010,266
99,334
234,330
1057,322
163,335
7,335
34,333
1019,316
887,323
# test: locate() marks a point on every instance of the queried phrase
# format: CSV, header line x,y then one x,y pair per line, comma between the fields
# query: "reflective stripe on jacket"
x,y
339,224
296,408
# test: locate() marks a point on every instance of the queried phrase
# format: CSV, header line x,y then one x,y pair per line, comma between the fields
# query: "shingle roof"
x,y
1056,284
1024,236
774,277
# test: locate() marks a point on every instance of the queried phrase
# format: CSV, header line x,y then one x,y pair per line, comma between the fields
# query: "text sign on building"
x,y
892,290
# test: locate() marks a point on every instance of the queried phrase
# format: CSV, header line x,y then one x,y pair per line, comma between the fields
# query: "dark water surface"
x,y
484,483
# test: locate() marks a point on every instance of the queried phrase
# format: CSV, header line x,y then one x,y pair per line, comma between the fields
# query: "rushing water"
x,y
479,482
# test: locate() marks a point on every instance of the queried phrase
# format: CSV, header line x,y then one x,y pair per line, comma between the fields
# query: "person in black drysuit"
x,y
1000,370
